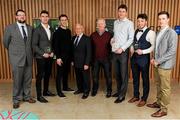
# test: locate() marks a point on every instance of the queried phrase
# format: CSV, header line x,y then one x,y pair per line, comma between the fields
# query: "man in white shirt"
x,y
121,41
141,48
42,45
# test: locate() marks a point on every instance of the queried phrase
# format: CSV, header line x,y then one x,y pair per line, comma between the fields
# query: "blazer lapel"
x,y
162,36
18,31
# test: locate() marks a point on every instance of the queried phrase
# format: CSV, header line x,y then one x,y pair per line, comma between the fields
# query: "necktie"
x,y
76,41
24,33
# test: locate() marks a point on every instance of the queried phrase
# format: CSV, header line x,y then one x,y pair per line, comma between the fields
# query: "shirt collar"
x,y
21,24
144,28
163,29
125,19
45,26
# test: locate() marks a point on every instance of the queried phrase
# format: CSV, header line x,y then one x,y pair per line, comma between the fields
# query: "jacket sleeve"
x,y
7,37
35,43
88,51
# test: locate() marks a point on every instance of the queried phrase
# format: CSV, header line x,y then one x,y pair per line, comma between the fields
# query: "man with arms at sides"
x,y
123,38
42,46
141,48
101,50
17,40
63,45
163,62
81,59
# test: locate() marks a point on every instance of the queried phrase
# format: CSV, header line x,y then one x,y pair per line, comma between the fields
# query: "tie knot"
x,y
140,30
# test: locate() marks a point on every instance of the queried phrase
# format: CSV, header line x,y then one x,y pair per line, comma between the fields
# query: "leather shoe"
x,y
134,99
119,100
77,92
16,105
42,100
30,100
85,95
61,94
48,93
68,89
141,103
108,94
153,105
93,93
115,95
159,113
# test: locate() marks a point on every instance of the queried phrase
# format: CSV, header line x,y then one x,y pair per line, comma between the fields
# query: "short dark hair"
x,y
123,6
143,16
44,12
164,12
63,15
19,10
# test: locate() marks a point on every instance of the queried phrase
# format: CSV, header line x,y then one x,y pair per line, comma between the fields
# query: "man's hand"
x,y
59,62
139,51
119,51
45,55
155,63
86,67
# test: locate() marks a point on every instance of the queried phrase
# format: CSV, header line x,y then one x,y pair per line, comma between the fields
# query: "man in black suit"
x,y
42,46
82,57
63,45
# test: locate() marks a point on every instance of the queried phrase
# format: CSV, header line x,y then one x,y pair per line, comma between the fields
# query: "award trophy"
x,y
48,50
115,45
136,45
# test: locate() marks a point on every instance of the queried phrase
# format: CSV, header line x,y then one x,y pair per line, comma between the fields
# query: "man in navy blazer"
x,y
81,59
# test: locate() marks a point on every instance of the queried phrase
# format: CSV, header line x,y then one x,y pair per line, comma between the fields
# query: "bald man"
x,y
81,58
101,50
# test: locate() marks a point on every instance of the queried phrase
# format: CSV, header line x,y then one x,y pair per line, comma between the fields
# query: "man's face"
x,y
21,17
163,20
64,21
78,29
141,23
44,18
122,13
101,25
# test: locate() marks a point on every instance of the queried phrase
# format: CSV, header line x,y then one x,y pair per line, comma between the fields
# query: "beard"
x,y
21,21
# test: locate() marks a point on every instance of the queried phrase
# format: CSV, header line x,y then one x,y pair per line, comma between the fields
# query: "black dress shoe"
x,y
42,100
77,92
68,89
48,93
108,94
115,95
61,94
93,93
85,95
119,100
30,100
16,105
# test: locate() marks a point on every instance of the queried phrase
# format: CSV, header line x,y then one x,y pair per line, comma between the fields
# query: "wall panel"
x,y
85,12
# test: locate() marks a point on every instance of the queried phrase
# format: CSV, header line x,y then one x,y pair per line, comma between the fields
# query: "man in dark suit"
x,y
17,40
82,57
42,46
63,45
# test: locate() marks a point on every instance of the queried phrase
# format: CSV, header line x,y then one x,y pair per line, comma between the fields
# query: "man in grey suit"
x,y
17,40
42,46
163,62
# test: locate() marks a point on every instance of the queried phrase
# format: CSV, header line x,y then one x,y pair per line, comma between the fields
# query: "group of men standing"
x,y
97,50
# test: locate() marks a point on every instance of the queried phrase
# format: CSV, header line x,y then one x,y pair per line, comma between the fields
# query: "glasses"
x,y
21,15
64,20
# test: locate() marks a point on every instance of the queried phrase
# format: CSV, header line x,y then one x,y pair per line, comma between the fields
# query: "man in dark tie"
x,y
81,59
42,45
141,48
17,40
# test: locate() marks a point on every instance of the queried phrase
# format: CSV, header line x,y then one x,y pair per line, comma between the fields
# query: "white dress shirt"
x,y
20,28
47,31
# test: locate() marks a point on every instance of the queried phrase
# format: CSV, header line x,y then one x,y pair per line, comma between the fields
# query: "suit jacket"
x,y
40,42
82,52
165,54
19,51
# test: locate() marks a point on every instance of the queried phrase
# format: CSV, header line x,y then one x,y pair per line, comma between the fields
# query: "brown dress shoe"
x,y
159,113
134,99
141,103
153,105
30,100
16,105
